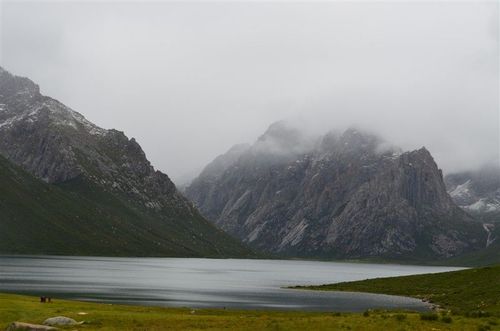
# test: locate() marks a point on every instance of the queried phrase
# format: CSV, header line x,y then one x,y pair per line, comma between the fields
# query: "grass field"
x,y
471,293
121,317
465,292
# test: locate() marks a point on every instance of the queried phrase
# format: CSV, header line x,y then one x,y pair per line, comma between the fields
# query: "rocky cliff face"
x,y
341,195
60,147
57,144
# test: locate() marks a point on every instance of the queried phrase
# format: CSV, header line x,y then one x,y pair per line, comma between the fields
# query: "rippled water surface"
x,y
233,283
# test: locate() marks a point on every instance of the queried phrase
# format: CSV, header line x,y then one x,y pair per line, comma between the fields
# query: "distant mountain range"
x,y
68,186
71,187
343,195
477,192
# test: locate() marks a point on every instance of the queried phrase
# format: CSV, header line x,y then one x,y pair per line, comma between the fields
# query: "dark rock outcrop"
x,y
342,195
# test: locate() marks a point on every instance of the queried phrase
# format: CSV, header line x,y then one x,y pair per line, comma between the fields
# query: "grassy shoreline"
x,y
470,292
99,316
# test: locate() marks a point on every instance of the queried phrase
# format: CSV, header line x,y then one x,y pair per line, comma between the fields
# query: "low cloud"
x,y
191,79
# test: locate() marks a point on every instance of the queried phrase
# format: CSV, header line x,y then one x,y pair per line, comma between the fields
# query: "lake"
x,y
203,283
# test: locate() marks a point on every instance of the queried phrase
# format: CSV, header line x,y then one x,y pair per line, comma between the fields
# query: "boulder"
x,y
28,327
60,320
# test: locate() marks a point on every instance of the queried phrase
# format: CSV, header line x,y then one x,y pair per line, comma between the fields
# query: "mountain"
x,y
348,195
477,191
71,187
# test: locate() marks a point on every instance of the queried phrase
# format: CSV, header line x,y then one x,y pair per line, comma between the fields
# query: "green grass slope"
x,y
471,292
78,218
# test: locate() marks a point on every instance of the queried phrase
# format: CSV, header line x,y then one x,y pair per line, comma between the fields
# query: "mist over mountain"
x,y
342,194
417,73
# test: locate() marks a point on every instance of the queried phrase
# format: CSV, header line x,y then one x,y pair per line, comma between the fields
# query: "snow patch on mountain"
x,y
461,191
484,205
477,192
58,113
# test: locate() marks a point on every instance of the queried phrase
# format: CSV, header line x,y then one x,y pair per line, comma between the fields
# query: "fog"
x,y
190,79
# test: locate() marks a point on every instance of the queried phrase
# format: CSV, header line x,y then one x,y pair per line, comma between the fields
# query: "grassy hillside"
x,y
78,218
108,317
471,292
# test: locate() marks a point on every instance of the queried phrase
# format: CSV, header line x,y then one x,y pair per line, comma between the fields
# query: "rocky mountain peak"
x,y
15,93
58,144
352,142
350,195
11,85
281,138
359,138
420,158
422,181
279,131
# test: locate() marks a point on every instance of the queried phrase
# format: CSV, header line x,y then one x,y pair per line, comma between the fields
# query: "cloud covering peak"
x,y
191,79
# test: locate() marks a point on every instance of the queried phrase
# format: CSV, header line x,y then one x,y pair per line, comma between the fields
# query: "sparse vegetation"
x,y
429,316
446,319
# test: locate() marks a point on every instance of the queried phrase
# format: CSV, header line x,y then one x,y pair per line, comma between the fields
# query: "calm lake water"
x,y
233,283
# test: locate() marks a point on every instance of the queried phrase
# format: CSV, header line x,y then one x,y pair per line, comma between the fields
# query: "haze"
x,y
190,79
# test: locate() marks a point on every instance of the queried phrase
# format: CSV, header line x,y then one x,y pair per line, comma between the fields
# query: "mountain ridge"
x,y
61,148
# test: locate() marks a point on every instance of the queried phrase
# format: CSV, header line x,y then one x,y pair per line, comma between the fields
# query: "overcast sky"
x,y
190,79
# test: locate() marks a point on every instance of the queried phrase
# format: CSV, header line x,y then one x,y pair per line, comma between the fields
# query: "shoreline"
x,y
110,317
